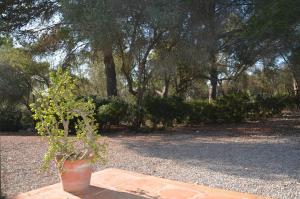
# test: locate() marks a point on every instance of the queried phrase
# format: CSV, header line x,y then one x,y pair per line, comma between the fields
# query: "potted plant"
x,y
54,110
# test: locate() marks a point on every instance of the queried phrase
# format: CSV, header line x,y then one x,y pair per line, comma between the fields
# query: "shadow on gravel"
x,y
273,152
279,126
262,160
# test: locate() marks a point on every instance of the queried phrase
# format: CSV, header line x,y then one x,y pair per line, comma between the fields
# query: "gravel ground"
x,y
268,165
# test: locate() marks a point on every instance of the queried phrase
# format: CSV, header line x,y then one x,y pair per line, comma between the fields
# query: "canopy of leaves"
x,y
13,84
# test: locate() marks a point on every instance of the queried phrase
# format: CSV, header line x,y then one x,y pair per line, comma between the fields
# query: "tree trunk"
x,y
295,86
139,114
214,83
294,65
110,72
295,69
212,38
167,85
139,97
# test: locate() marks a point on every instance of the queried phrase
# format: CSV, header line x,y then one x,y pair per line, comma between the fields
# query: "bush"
x,y
165,110
237,108
27,120
233,107
10,117
111,111
201,111
293,102
108,111
264,107
229,108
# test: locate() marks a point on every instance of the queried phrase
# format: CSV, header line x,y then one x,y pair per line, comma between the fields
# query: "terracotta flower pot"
x,y
76,175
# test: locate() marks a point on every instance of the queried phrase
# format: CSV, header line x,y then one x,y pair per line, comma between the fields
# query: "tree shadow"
x,y
94,192
251,159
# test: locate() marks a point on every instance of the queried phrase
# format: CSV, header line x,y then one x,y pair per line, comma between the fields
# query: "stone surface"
x,y
121,184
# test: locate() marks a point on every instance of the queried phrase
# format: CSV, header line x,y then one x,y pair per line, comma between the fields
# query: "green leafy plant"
x,y
232,107
112,112
165,110
201,111
10,116
264,107
237,108
53,111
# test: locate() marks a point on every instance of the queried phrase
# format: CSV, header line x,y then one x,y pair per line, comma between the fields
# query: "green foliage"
x,y
22,60
16,14
295,101
13,84
229,108
264,107
226,109
165,110
111,111
27,122
161,46
54,109
10,117
13,90
237,108
14,117
201,111
232,107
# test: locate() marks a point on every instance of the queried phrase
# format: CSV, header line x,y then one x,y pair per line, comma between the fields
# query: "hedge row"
x,y
171,110
14,117
227,109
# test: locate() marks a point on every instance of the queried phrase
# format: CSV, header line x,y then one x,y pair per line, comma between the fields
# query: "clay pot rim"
x,y
58,158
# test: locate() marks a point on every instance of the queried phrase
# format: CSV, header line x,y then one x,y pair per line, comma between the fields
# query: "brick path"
x,y
121,184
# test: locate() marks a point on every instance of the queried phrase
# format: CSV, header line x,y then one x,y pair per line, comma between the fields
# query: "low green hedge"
x,y
237,108
111,111
10,117
231,108
167,110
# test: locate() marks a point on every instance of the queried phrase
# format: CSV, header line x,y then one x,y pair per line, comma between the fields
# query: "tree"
x,y
274,26
13,84
21,71
145,25
14,14
100,29
214,28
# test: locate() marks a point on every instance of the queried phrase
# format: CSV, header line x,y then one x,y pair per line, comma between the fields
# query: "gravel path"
x,y
265,165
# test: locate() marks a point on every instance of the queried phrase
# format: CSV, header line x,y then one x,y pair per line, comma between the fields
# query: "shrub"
x,y
181,108
232,107
297,101
201,111
229,108
264,107
292,102
10,117
165,110
237,108
54,109
111,111
100,101
26,120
